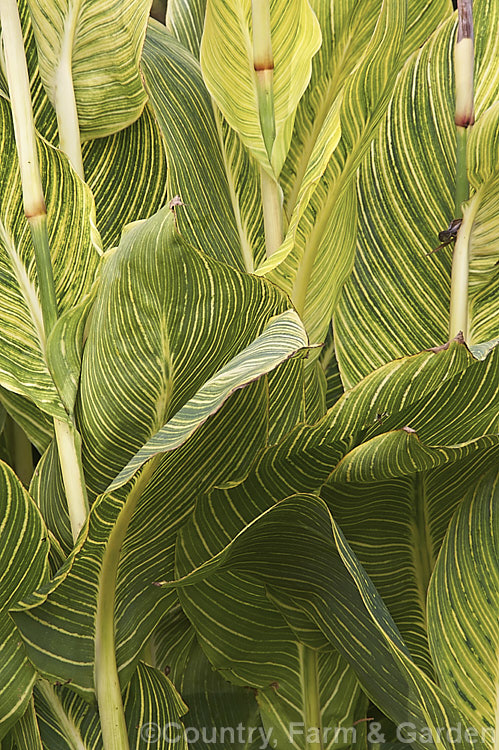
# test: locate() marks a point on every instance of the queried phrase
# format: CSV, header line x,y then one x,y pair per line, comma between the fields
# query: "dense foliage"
x,y
249,468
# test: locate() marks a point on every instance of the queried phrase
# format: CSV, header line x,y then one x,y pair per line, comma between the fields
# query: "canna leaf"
x,y
75,253
405,192
103,68
197,316
24,563
396,528
463,608
226,45
208,167
294,562
321,236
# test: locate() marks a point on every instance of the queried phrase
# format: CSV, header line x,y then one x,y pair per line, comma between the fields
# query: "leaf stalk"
x,y
309,670
65,100
36,214
458,318
69,449
107,682
464,115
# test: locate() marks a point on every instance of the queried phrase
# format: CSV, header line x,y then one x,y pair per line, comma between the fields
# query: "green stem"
x,y
24,128
64,723
107,683
69,449
462,191
309,670
272,212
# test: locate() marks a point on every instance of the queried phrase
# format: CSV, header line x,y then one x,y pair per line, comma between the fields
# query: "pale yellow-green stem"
x,y
65,100
36,214
263,62
464,117
107,683
68,728
24,128
458,317
272,212
309,671
69,449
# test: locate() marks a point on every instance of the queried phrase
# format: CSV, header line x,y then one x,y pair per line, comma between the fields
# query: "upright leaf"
x,y
226,46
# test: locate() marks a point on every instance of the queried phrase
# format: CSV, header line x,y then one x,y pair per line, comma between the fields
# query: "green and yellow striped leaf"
x,y
24,566
397,298
296,559
26,732
321,236
208,167
37,425
166,318
396,528
151,705
75,254
463,609
153,710
213,702
283,337
226,46
185,20
126,171
93,48
65,720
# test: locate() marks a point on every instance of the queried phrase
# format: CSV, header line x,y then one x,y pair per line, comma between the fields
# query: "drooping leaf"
x,y
166,318
396,528
103,68
296,554
282,338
